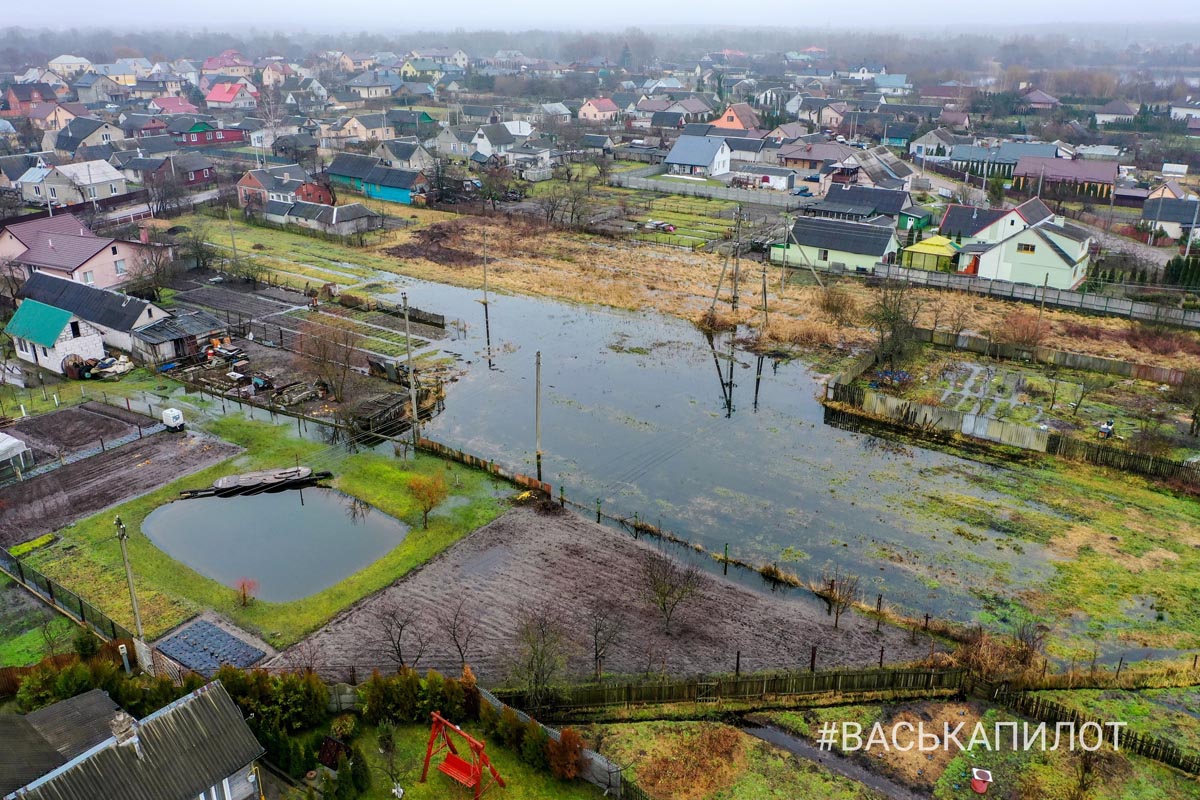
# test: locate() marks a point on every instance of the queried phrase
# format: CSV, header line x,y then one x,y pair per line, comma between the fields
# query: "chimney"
x,y
1060,220
975,213
125,729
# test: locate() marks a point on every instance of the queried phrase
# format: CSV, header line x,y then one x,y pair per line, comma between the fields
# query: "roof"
x,y
223,93
15,166
1118,107
180,751
968,220
666,119
1168,209
326,214
934,246
1062,169
75,131
498,133
401,150
352,165
595,140
38,323
392,177
87,173
881,201
24,92
1007,152
173,105
743,144
1040,97
842,236
695,151
179,326
603,104
26,756
102,307
1034,210
75,725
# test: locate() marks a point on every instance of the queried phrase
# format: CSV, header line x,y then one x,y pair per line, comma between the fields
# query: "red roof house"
x,y
172,105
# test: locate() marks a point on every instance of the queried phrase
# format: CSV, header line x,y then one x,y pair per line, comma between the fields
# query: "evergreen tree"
x,y
360,773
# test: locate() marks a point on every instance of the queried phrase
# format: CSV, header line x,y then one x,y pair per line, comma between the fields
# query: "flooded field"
x,y
649,415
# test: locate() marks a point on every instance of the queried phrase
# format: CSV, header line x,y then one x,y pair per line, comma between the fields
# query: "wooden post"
x,y
1194,662
737,665
562,498
127,408
926,622
812,660
1120,663
597,509
725,563
101,444
881,658
139,431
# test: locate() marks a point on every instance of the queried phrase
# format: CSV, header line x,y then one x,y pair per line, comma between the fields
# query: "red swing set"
x,y
468,773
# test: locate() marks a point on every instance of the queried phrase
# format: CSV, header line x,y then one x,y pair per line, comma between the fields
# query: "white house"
x,y
45,336
1051,252
699,155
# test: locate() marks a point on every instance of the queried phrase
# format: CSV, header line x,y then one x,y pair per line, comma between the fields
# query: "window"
x,y
74,330
1025,248
44,353
193,137
220,134
191,176
37,189
822,255
89,277
114,249
54,192
91,192
112,188
208,137
21,345
106,137
729,118
206,173
119,264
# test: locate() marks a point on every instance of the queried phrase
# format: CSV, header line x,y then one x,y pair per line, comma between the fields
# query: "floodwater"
x,y
292,543
649,415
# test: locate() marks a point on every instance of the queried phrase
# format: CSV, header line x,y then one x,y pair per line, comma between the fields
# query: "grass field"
x,y
21,618
87,557
712,761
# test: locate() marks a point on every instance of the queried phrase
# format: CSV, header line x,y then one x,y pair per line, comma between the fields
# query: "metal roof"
x,y
102,307
352,165
38,323
182,325
695,151
1167,209
842,236
75,725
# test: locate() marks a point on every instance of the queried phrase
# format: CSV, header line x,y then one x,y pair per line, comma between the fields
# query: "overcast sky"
x,y
396,15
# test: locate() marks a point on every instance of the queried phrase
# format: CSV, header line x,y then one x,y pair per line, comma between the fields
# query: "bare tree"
x,y
1029,639
12,278
460,626
841,590
197,248
893,317
541,651
577,204
667,583
54,637
1188,393
154,266
1089,384
332,352
551,204
166,192
304,656
600,620
494,183
397,635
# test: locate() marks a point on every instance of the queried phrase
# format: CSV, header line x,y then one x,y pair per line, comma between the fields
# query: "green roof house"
x,y
45,336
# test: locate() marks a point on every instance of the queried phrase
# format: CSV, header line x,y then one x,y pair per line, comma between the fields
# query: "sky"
x,y
396,15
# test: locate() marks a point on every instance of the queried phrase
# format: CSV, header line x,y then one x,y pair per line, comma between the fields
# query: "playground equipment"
x,y
468,773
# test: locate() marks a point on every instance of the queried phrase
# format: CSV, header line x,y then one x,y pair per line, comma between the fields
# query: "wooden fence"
x,y
487,465
11,677
1107,455
716,689
1045,710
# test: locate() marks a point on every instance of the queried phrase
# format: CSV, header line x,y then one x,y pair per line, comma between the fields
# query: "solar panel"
x,y
205,647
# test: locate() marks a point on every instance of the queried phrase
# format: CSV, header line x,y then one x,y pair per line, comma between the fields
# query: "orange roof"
x,y
223,93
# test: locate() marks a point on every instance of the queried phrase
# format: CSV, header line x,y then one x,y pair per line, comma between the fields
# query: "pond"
x,y
716,444
292,543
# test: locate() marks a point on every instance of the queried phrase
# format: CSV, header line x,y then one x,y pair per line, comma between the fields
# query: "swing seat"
x,y
459,770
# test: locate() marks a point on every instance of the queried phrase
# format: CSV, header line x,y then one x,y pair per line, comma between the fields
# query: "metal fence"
x,y
639,179
62,598
750,687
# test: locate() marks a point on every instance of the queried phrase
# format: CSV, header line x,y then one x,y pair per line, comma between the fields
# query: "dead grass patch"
x,y
694,763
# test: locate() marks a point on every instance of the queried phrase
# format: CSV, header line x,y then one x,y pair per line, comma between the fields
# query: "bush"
x,y
453,701
360,771
510,729
344,787
489,718
343,727
471,697
433,693
386,735
86,644
72,680
407,695
533,746
838,304
37,690
565,755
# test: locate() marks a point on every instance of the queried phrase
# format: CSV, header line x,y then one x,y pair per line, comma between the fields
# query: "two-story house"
x,y
68,184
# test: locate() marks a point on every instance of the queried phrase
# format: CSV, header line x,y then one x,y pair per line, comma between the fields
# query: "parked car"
x,y
813,178
802,191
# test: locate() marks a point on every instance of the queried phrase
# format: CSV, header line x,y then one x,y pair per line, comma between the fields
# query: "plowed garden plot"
x,y
374,338
76,428
562,562
50,501
218,299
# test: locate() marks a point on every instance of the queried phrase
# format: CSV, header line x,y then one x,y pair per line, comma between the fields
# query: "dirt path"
x,y
529,560
834,762
50,501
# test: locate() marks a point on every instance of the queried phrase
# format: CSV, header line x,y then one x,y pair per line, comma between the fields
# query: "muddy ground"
x,y
50,501
530,560
76,428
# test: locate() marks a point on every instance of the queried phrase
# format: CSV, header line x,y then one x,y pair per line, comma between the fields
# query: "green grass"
x,y
677,754
29,647
31,545
1170,714
523,782
87,557
70,393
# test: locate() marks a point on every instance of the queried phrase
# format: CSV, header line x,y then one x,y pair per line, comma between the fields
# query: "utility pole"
x,y
122,536
412,378
485,245
232,237
537,414
737,255
1187,251
764,298
1042,307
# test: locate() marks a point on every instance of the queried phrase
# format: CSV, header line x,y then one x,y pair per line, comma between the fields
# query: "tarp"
x,y
11,447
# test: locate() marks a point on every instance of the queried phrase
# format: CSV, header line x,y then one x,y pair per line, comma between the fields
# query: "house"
x,y
115,315
63,246
394,185
694,109
137,126
297,147
1115,111
445,56
68,184
666,120
596,143
229,62
498,138
416,68
343,220
1168,189
282,184
823,113
157,85
555,113
46,336
893,85
1039,100
52,116
937,144
860,203
376,84
599,109
356,128
404,154
91,88
814,156
189,170
745,149
69,66
1188,110
350,169
21,96
955,120
825,243
230,95
78,134
897,134
194,130
455,142
865,72
1071,176
1051,252
1000,160
1178,218
738,116
760,176
702,156
277,73
182,334
170,104
972,225
197,746
14,166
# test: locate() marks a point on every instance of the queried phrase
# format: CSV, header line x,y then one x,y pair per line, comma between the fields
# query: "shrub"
x,y
1023,328
433,693
838,304
453,700
344,787
533,746
489,718
343,727
565,755
72,680
804,332
471,698
407,695
374,697
36,690
510,729
386,735
360,771
86,644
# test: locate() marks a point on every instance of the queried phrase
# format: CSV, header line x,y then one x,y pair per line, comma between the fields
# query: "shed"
x,y
935,253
